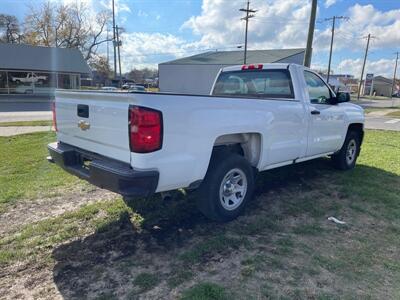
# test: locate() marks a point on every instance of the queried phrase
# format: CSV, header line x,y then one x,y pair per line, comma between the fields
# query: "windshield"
x,y
254,83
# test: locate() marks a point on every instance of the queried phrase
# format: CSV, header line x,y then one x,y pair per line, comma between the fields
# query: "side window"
x,y
317,89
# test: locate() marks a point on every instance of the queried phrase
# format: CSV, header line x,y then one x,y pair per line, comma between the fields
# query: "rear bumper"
x,y
104,172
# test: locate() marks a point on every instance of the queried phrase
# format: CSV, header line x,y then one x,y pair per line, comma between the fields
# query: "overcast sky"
x,y
161,30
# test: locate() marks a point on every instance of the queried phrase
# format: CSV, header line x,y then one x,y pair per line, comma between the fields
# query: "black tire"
x,y
341,160
208,194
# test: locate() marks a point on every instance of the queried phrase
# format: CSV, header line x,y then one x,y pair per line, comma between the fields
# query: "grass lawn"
x,y
27,123
153,89
24,171
395,114
283,247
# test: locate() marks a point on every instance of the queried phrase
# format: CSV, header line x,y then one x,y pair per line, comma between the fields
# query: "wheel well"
x,y
357,127
247,145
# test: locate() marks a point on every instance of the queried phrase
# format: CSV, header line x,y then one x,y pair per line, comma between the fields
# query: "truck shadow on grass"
x,y
176,244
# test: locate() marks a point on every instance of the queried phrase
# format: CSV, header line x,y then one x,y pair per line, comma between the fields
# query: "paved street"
x,y
25,111
378,120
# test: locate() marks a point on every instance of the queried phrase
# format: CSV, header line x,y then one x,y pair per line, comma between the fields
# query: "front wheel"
x,y
346,158
227,187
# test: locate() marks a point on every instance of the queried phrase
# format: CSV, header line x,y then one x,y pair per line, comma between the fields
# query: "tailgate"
x,y
96,122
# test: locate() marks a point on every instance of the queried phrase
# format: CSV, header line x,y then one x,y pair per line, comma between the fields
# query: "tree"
x,y
68,26
101,65
10,28
142,74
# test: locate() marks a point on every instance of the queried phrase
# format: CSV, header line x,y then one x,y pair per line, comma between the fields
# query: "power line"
x,y
261,20
184,51
249,14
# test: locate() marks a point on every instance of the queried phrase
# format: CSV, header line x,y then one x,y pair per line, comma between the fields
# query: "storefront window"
x,y
3,83
75,81
64,81
18,82
21,82
45,83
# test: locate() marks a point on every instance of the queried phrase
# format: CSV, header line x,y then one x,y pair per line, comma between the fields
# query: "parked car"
x,y
29,78
109,88
137,88
258,117
127,86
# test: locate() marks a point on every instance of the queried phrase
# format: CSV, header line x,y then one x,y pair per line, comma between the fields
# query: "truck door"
x,y
326,120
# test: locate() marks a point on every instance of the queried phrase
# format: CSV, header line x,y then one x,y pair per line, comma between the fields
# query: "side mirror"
x,y
342,97
333,101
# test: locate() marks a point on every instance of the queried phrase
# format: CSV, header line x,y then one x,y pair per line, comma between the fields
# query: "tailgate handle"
x,y
83,110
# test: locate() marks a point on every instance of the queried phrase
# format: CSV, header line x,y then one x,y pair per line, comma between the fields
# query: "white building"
x,y
195,74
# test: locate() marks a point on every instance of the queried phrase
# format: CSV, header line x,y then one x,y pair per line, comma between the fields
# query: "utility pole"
x,y
331,49
394,78
114,43
363,67
246,18
108,47
119,43
311,27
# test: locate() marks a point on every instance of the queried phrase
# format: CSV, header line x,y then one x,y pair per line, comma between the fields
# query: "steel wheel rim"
x,y
233,189
351,151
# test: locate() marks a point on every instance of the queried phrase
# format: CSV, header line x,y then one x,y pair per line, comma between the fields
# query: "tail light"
x,y
53,108
252,67
145,129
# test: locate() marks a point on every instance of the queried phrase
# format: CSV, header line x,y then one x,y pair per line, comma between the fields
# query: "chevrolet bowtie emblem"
x,y
83,125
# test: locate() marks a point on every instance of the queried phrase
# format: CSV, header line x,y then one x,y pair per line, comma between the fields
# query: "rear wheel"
x,y
227,187
346,158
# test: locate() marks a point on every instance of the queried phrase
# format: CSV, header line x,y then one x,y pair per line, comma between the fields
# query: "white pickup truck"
x,y
29,78
258,117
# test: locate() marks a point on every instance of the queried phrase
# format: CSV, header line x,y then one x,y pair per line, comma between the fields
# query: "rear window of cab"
x,y
255,84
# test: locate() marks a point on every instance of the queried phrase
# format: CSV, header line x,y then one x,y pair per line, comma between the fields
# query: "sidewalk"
x,y
15,130
25,116
377,103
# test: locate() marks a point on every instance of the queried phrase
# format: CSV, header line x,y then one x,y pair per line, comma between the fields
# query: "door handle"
x,y
315,112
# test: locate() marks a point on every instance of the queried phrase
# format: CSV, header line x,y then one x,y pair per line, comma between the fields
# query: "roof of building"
x,y
383,80
236,57
36,58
